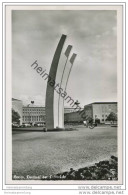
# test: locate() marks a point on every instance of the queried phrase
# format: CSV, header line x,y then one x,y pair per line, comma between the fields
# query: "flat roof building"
x,y
36,114
100,110
33,114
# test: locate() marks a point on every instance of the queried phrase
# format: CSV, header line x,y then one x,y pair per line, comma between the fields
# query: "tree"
x,y
15,116
112,117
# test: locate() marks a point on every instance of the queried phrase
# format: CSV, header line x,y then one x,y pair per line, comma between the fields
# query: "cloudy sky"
x,y
35,35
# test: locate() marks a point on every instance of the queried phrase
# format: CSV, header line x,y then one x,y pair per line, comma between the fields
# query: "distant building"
x,y
69,110
33,114
73,117
36,114
100,110
17,105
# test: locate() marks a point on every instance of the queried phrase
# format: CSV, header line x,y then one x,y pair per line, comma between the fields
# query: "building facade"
x,y
69,110
17,106
100,110
36,114
33,114
73,117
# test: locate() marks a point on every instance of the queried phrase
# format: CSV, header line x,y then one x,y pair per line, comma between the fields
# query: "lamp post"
x,y
32,102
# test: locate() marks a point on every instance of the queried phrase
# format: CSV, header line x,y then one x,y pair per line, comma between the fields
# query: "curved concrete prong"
x,y
59,76
72,59
64,86
49,105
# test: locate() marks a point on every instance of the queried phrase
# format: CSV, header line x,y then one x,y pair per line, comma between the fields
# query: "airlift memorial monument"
x,y
59,72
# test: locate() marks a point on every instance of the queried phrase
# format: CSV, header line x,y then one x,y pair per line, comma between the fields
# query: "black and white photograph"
x,y
65,95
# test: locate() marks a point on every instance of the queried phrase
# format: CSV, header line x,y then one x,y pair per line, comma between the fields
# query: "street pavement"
x,y
43,153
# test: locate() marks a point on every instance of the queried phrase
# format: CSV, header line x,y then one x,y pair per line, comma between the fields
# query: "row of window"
x,y
33,118
33,109
33,112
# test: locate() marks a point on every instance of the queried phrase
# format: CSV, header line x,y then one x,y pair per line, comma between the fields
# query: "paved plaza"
x,y
45,153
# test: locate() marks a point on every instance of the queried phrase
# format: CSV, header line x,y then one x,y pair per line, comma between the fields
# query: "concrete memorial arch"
x,y
59,73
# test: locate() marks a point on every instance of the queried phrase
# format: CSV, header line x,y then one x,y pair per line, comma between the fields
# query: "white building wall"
x,y
101,111
33,114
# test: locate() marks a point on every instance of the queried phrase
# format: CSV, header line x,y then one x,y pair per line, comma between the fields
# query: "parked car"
x,y
15,125
22,126
25,125
39,124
